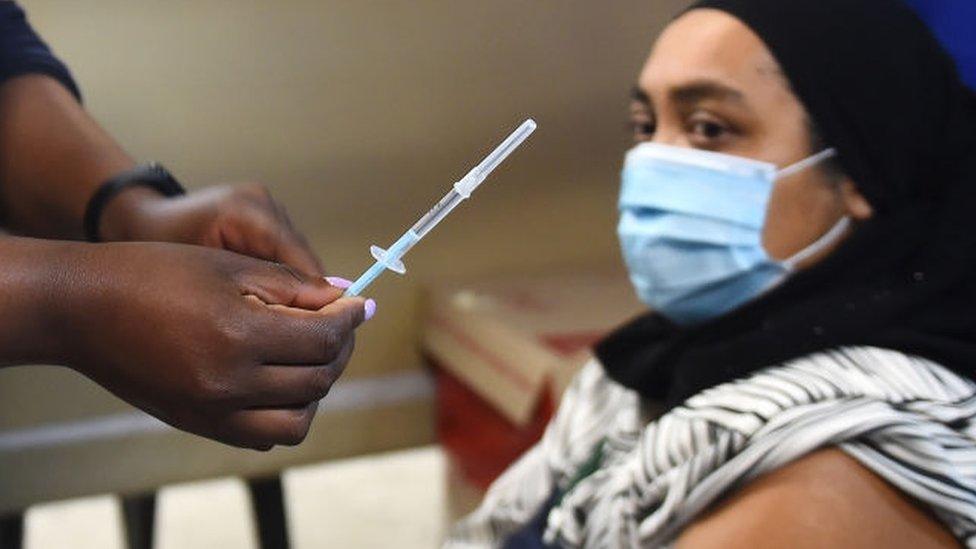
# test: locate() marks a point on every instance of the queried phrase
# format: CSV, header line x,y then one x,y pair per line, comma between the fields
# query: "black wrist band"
x,y
150,175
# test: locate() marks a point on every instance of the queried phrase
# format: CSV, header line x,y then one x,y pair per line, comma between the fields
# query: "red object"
x,y
480,440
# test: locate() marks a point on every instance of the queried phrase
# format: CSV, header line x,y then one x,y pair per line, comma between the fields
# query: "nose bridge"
x,y
671,136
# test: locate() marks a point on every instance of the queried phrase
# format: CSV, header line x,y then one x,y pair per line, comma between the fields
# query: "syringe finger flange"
x,y
381,255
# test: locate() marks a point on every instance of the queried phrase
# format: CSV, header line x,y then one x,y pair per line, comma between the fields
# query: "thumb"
x,y
281,284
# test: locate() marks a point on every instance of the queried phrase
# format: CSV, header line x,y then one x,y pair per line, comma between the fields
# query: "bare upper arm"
x,y
825,499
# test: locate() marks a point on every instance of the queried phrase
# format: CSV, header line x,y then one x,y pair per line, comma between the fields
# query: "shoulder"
x,y
826,499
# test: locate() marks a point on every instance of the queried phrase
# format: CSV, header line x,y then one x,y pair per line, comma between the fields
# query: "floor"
x,y
362,503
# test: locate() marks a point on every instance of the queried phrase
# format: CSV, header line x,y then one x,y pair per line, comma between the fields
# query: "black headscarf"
x,y
884,94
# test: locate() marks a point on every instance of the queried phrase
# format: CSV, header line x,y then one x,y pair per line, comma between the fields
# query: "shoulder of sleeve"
x,y
22,51
826,499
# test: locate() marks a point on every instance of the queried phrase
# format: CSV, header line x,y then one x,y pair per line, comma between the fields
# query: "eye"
x,y
643,130
708,130
643,123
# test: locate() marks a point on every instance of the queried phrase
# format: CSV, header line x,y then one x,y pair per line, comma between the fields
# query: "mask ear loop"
x,y
819,245
830,236
798,167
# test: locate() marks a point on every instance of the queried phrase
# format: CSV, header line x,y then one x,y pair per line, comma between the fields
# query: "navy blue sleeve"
x,y
954,23
23,52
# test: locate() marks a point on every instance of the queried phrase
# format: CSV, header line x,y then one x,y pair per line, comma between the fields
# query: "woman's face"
x,y
710,83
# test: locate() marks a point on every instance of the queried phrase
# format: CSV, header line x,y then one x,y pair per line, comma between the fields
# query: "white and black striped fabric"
x,y
907,419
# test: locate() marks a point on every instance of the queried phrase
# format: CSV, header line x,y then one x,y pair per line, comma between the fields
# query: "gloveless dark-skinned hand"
x,y
55,156
241,218
229,347
226,346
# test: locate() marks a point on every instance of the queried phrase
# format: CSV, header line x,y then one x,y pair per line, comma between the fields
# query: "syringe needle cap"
x,y
479,173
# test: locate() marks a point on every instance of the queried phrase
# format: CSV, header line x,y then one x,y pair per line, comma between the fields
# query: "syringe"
x,y
391,258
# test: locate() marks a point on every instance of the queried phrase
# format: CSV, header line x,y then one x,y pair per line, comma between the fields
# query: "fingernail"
x,y
338,282
370,308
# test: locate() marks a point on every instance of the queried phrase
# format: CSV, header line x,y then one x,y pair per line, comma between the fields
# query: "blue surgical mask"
x,y
691,229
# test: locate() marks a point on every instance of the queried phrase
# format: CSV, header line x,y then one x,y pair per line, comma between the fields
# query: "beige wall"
x,y
358,115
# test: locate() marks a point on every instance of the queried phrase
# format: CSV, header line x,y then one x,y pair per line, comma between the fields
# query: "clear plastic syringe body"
x,y
463,188
434,216
390,258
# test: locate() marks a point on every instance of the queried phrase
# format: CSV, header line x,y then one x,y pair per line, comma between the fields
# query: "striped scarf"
x,y
905,418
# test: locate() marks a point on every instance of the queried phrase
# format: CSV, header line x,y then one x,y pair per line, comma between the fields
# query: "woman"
x,y
799,213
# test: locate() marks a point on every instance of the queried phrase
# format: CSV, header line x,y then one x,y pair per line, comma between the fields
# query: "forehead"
x,y
706,44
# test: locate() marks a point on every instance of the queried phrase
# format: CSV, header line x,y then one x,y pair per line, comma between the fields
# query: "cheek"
x,y
801,210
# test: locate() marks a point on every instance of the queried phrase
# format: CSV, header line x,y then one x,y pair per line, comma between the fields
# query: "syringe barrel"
x,y
463,188
390,258
437,213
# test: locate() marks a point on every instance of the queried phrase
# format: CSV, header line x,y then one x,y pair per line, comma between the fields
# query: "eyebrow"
x,y
695,92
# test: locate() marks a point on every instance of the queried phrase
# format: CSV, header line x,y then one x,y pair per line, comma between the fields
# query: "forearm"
x,y
53,156
32,299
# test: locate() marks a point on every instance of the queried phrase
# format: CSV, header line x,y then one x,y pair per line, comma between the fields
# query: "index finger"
x,y
294,250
